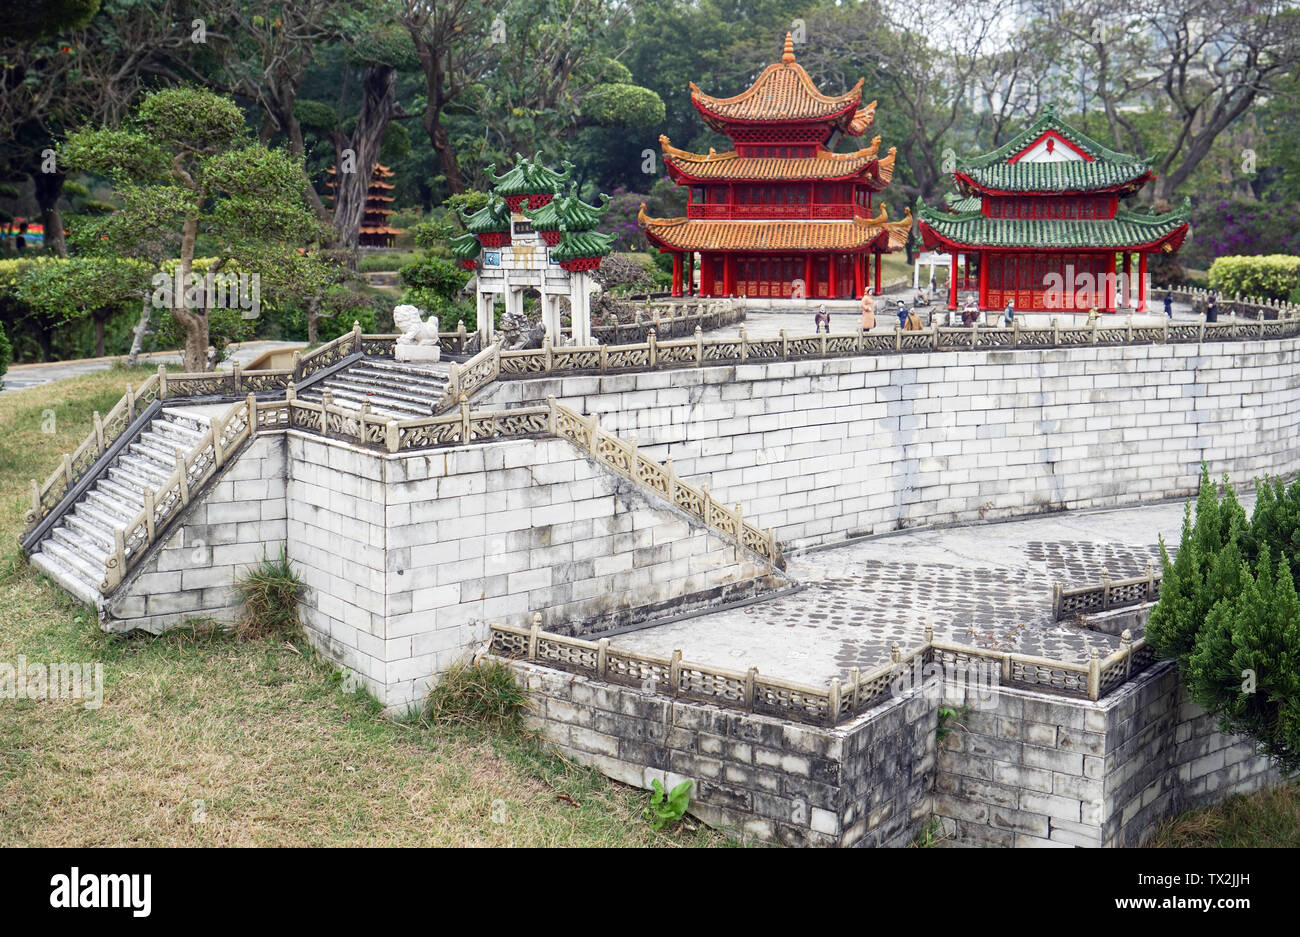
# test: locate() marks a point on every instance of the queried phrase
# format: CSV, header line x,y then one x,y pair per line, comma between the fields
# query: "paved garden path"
x,y
988,585
22,376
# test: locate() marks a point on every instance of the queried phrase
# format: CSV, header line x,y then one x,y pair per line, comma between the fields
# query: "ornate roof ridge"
x,y
1043,123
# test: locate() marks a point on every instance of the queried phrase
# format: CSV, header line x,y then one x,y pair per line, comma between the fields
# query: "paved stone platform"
x,y
987,585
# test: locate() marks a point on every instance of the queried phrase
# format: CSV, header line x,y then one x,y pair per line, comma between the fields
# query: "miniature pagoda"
x,y
780,215
1040,217
375,230
531,237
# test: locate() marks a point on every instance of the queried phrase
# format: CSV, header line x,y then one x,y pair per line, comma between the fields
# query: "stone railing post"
x,y
534,635
785,346
1056,332
1094,675
67,470
898,339
1126,645
162,382
552,416
453,380
602,655
464,419
356,336
650,345
36,498
833,702
1056,601
675,671
699,347
236,377
392,435
130,405
297,366
148,514
99,434
744,345
460,336
547,354
1105,591
751,678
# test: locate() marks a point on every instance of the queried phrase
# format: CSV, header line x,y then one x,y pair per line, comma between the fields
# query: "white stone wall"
x,y
825,450
234,523
407,559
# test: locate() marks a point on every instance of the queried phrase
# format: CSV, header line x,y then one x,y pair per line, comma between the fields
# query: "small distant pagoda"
x,y
375,230
531,237
1040,217
780,215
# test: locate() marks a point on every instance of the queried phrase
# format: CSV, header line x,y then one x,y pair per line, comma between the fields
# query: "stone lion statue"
x,y
415,331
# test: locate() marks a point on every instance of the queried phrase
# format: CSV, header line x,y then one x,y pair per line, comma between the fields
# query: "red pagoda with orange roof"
x,y
375,230
780,215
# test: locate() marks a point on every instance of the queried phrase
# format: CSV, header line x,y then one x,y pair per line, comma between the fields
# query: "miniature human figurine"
x,y
1169,303
1009,314
970,313
823,318
868,312
902,313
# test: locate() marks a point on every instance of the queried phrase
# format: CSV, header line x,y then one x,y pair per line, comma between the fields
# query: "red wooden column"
x,y
877,290
830,273
1109,299
808,290
1142,282
1128,279
952,283
984,280
857,274
690,273
677,273
729,275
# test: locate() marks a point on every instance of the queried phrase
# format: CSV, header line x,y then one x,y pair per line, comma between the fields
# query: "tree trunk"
x,y
313,320
194,322
138,333
49,188
446,153
378,107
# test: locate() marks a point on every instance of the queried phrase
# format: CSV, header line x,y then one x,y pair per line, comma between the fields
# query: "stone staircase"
x,y
393,389
75,552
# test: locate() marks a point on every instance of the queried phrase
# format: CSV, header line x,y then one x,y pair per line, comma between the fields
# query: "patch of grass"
x,y
1267,819
484,694
929,837
268,595
204,739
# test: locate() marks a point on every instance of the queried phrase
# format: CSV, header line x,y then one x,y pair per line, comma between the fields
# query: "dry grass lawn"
x,y
206,740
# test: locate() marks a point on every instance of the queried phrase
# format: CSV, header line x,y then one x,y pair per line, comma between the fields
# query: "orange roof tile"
x,y
730,165
693,234
785,92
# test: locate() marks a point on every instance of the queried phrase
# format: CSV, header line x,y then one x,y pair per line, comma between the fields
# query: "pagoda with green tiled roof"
x,y
1041,218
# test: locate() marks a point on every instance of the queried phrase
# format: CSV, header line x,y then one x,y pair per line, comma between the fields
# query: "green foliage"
x,y
67,288
6,354
949,715
623,105
268,598
667,807
315,115
485,695
1275,276
1229,614
33,20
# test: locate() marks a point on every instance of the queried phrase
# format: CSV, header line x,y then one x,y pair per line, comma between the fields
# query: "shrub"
x,y
483,694
268,596
6,355
1229,614
1275,276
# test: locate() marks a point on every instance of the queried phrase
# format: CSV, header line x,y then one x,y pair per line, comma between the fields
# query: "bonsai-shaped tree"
x,y
184,169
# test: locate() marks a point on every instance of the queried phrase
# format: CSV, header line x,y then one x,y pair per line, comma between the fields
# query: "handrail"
x,y
829,705
1120,593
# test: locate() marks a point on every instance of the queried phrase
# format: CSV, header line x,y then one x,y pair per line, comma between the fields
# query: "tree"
x,y
1229,615
1200,64
94,288
185,168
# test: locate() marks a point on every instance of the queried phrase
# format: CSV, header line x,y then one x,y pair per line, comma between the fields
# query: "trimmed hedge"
x,y
1276,276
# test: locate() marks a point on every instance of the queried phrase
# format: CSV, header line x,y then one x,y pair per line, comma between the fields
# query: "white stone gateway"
x,y
419,339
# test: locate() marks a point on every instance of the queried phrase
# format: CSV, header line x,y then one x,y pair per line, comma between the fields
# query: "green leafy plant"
x,y
949,715
268,595
667,807
486,694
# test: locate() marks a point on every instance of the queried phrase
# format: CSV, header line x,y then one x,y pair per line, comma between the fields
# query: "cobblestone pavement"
x,y
988,585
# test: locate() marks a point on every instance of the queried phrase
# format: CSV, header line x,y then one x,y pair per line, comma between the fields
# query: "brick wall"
x,y
824,450
863,784
234,523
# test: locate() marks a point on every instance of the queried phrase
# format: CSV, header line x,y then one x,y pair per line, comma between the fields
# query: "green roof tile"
x,y
963,203
1073,176
529,177
577,244
465,247
1127,229
567,213
492,217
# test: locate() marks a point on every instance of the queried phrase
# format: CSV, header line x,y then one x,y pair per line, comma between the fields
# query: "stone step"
x,y
120,498
382,405
184,431
77,564
420,393
422,379
70,578
384,391
130,483
92,526
163,459
389,366
145,469
82,545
